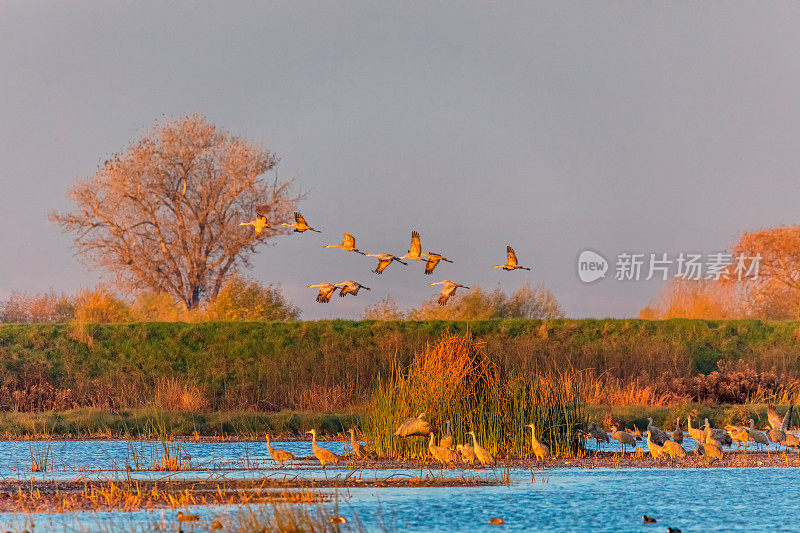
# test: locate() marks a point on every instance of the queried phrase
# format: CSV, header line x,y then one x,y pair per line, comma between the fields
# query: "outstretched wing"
x,y
349,241
261,210
787,418
511,256
382,266
772,416
415,248
433,260
299,218
447,292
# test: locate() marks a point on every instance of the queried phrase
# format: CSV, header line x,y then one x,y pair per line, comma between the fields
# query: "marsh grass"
x,y
456,379
40,455
40,451
318,517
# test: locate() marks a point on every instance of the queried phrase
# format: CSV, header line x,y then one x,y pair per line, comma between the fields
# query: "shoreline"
x,y
91,423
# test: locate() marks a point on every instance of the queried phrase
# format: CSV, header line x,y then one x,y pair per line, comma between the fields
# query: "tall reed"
x,y
455,379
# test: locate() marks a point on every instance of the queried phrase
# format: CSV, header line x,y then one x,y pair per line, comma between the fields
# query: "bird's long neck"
x,y
474,441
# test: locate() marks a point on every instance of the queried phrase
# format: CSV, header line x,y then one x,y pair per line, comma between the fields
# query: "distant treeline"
x,y
330,365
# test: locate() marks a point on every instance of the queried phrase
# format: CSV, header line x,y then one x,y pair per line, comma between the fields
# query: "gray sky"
x,y
554,127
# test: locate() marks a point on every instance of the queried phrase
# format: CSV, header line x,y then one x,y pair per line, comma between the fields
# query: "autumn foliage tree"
x,y
163,216
765,285
775,292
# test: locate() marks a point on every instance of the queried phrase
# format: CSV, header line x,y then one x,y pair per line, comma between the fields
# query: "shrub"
x,y
39,308
478,304
100,306
156,307
242,299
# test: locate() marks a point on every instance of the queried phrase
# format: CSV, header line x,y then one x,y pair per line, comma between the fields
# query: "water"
x,y
600,499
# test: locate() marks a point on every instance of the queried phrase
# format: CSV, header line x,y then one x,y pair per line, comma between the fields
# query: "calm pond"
x,y
563,499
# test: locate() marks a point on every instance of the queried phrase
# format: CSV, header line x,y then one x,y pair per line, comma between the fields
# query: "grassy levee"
x,y
333,365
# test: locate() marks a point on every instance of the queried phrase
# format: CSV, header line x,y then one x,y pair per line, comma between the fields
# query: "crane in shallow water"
x,y
323,454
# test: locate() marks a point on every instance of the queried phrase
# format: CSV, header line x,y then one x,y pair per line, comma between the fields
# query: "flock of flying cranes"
x,y
431,259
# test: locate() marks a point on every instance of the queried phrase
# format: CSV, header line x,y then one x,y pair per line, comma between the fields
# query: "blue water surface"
x,y
561,499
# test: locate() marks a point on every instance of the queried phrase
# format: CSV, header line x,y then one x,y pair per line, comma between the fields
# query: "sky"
x,y
555,127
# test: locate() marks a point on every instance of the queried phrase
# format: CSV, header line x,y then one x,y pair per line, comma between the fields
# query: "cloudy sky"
x,y
551,126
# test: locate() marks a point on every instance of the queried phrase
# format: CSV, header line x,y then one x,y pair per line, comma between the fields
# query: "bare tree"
x,y
164,215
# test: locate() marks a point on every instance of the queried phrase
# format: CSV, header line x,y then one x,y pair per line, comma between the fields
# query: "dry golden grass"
x,y
178,395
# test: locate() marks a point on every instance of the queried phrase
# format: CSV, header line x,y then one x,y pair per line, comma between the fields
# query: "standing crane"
x,y
260,223
699,435
677,435
384,260
511,261
623,437
440,453
326,290
467,453
278,455
348,244
712,448
481,453
300,224
447,439
540,449
674,449
351,287
720,435
597,433
324,455
448,290
658,435
756,436
359,450
656,450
